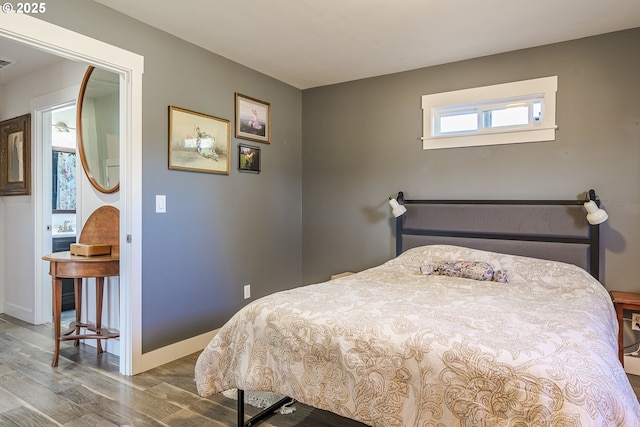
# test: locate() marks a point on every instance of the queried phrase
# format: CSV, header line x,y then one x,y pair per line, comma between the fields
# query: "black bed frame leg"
x,y
240,408
261,415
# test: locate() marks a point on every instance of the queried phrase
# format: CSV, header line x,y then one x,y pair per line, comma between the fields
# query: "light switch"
x,y
161,203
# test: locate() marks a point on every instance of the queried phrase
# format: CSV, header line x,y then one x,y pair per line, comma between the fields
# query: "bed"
x,y
431,338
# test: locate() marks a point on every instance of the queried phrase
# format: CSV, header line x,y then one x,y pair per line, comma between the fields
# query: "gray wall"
x,y
220,232
361,145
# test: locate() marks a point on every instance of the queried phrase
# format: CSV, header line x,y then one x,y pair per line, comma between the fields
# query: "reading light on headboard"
x,y
396,208
595,215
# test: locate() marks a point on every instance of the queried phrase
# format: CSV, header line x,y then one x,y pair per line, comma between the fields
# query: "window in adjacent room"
x,y
507,113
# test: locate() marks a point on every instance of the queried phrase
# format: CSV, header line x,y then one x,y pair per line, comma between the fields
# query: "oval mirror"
x,y
98,126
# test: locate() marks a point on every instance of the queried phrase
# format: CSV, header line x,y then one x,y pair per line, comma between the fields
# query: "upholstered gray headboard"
x,y
549,229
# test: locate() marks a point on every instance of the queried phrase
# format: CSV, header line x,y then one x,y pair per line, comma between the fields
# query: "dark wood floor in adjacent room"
x,y
87,390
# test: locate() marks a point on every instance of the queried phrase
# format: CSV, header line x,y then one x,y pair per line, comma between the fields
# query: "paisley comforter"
x,y
393,347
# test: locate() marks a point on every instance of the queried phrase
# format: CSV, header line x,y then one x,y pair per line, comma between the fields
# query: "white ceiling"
x,y
309,43
24,60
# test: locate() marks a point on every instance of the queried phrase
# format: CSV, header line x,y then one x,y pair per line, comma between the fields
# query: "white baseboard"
x,y
22,313
632,365
173,352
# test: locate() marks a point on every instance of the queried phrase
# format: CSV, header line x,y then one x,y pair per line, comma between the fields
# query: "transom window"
x,y
499,114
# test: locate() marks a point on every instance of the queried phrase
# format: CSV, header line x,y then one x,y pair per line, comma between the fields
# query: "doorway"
x,y
59,137
42,35
55,107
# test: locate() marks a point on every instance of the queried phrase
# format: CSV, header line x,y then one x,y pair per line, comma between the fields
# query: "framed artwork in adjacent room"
x,y
15,156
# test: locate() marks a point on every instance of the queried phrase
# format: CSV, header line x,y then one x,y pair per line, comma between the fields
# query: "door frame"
x,y
62,42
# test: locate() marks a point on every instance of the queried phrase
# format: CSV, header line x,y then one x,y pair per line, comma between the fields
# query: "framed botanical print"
x,y
248,158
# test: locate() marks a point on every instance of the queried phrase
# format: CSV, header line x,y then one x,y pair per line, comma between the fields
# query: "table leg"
x,y
57,308
77,290
99,298
619,313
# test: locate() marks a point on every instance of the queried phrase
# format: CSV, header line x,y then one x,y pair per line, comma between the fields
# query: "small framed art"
x,y
15,156
198,142
248,158
253,119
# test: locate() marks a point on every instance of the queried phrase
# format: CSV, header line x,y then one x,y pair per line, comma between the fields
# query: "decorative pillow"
x,y
500,276
476,270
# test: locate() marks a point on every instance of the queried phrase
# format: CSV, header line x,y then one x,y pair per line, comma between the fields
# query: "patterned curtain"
x,y
66,181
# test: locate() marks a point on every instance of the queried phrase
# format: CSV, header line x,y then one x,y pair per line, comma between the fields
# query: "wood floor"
x,y
87,390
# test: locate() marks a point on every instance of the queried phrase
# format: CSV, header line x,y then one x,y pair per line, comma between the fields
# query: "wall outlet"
x,y
635,321
247,291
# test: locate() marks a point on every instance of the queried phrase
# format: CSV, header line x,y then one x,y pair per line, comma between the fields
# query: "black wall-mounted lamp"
x,y
595,215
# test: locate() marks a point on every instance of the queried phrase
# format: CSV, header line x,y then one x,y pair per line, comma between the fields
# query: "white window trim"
x,y
545,87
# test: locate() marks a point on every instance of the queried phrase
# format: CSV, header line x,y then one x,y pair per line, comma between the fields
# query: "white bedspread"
x,y
392,347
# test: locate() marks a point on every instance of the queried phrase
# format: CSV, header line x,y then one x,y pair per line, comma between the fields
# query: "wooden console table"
x,y
101,227
65,265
